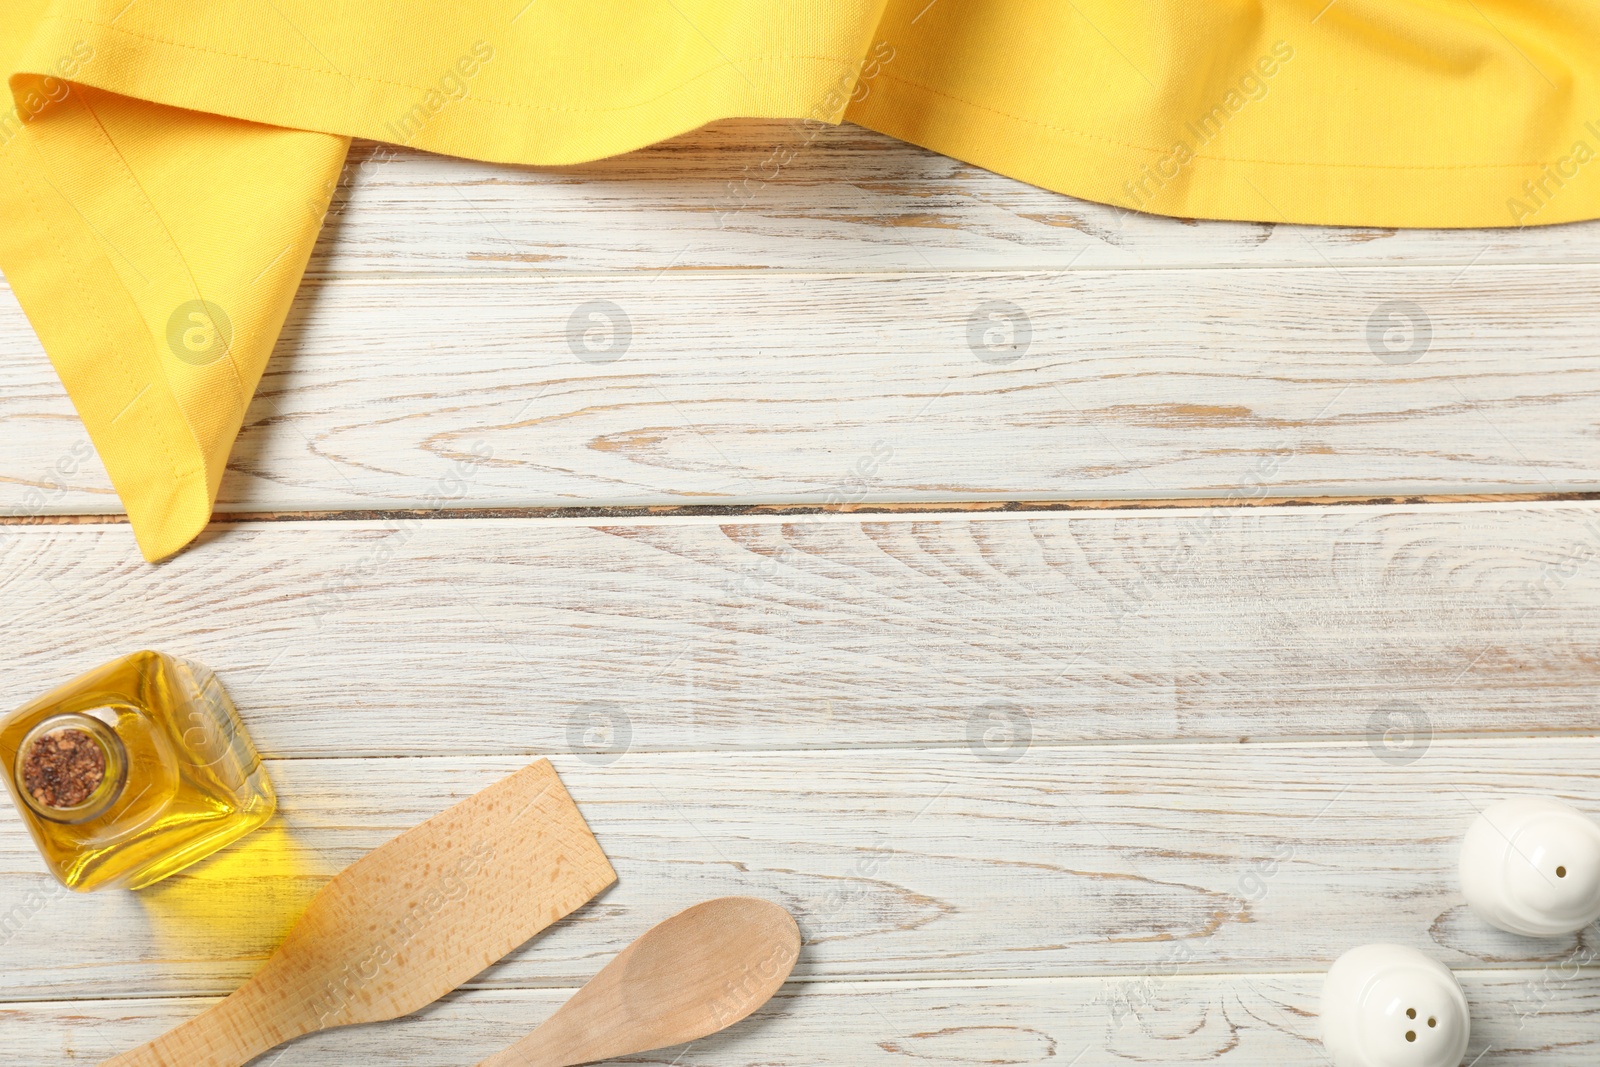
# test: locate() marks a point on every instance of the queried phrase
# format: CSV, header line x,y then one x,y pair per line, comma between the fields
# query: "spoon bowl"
x,y
687,977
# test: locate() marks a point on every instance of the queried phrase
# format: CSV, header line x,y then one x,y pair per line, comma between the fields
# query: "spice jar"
x,y
133,771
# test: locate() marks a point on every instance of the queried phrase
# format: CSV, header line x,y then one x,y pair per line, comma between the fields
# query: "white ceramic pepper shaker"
x,y
1391,1006
1532,866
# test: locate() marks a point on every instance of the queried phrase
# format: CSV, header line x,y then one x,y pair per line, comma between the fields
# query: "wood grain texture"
x,y
956,865
1177,369
1134,384
1539,1020
450,636
851,199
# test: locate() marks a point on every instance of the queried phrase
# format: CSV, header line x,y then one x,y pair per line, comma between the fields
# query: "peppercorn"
x,y
62,768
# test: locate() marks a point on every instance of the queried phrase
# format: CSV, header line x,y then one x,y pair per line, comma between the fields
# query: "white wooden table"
x,y
1083,698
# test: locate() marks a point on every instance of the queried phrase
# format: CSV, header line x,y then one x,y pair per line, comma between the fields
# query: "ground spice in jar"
x,y
62,768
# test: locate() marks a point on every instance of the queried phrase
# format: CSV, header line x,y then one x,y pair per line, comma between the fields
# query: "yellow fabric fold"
x,y
166,164
1439,113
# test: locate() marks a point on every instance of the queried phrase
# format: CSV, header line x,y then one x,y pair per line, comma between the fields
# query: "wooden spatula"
x,y
694,974
407,923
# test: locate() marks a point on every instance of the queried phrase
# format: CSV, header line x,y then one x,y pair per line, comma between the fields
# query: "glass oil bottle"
x,y
133,771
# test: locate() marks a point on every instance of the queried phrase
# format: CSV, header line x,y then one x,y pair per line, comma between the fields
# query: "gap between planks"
x,y
956,509
479,277
819,984
888,748
811,982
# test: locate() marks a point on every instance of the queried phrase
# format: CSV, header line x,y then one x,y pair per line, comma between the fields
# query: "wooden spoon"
x,y
694,974
407,923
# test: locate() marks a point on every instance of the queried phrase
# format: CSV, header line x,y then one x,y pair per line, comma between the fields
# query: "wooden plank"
x,y
1119,860
752,387
1040,859
1240,1021
847,199
483,636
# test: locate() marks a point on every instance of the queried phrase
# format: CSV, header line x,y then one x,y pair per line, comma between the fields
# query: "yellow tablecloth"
x,y
167,164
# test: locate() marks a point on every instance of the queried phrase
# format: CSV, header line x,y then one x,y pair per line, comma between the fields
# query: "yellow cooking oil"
x,y
133,771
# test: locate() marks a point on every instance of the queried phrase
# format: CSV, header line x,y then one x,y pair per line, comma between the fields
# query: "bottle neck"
x,y
71,767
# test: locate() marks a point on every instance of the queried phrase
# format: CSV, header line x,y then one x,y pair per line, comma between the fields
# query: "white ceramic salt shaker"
x,y
1391,1006
1532,866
